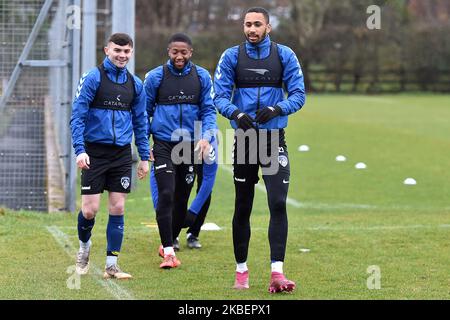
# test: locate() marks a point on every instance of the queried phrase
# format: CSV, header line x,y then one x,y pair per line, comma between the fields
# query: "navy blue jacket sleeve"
x,y
207,109
140,121
151,84
293,81
224,82
87,88
153,187
209,168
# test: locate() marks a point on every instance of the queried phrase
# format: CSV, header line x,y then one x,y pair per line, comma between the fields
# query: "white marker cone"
x,y
210,227
360,165
410,182
341,158
303,148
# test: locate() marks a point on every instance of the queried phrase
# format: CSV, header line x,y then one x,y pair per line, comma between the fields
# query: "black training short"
x,y
249,158
167,158
109,169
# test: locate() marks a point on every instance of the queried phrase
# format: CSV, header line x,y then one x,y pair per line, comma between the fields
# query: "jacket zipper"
x,y
181,114
259,88
114,126
114,112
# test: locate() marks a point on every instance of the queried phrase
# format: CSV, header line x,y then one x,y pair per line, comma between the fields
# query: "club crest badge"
x,y
283,160
125,182
189,178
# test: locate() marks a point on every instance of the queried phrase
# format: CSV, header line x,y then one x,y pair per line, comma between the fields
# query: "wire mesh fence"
x,y
34,132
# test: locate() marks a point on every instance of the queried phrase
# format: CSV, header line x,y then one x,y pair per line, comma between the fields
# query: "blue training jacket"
x,y
228,99
168,118
209,176
108,126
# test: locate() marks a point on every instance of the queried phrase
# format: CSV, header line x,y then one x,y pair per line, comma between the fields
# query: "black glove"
x,y
265,114
243,120
189,219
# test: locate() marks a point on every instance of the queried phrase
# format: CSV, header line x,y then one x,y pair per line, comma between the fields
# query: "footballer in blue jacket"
x,y
108,108
257,85
183,123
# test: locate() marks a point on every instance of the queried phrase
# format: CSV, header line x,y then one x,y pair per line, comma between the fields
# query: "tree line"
x,y
338,52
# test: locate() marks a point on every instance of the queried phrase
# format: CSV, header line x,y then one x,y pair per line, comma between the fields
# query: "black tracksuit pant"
x,y
277,185
175,182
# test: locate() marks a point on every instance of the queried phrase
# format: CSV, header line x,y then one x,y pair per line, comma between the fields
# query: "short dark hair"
x,y
121,39
260,10
180,37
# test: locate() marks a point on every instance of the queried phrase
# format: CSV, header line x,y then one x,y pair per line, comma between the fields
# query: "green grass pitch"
x,y
349,219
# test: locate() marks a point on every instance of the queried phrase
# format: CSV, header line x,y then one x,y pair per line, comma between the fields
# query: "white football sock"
x,y
277,266
169,251
241,267
85,245
111,260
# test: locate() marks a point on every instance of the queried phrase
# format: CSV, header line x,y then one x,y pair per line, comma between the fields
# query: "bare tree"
x,y
307,18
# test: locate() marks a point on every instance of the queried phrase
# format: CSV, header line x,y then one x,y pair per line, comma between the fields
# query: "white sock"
x,y
277,266
85,246
241,267
168,251
111,260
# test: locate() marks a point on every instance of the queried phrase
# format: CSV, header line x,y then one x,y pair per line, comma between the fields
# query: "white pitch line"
x,y
308,205
113,288
330,228
357,229
415,226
